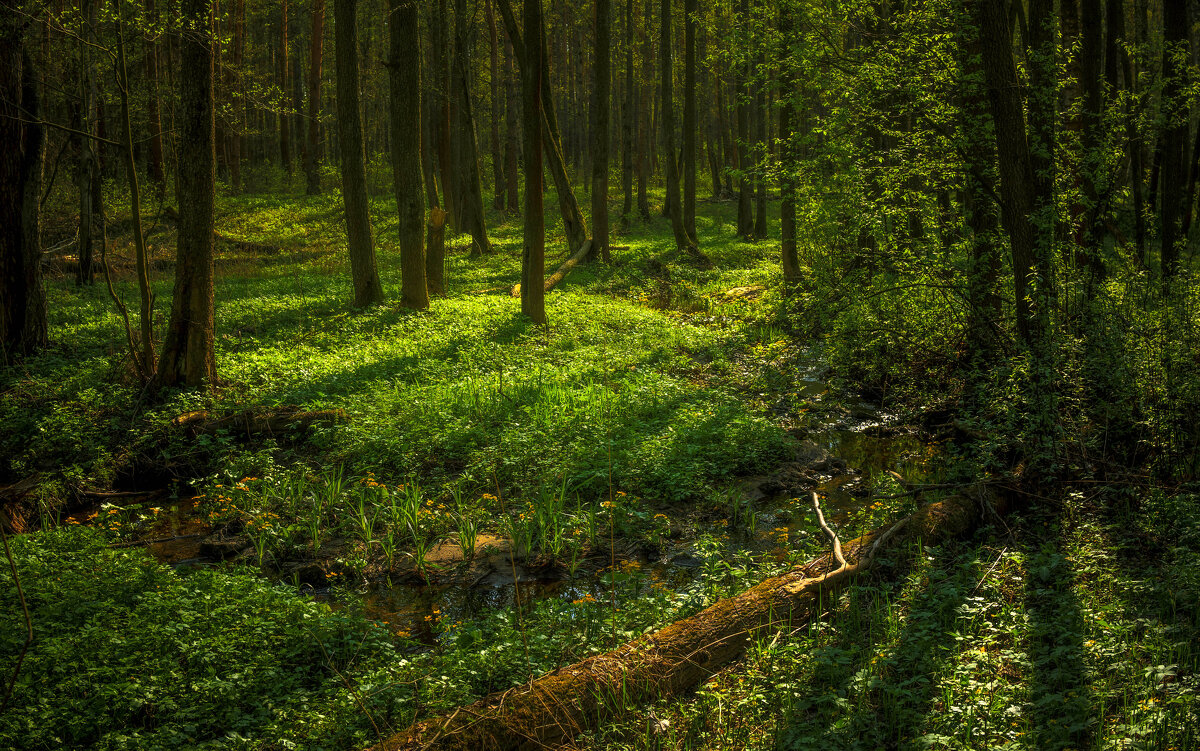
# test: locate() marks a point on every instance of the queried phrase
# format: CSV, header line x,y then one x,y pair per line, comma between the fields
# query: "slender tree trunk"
x,y
89,168
188,357
158,176
741,85
469,200
683,240
787,187
442,89
312,144
285,76
533,262
367,289
760,155
689,118
237,97
497,108
404,77
1173,141
600,102
643,117
512,130
435,228
629,117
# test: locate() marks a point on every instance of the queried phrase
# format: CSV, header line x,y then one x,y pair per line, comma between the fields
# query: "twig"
x,y
837,544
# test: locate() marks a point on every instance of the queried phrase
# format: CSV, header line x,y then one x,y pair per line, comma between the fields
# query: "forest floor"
x,y
645,454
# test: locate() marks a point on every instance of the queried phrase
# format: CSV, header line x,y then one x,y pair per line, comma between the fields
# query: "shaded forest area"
x,y
622,374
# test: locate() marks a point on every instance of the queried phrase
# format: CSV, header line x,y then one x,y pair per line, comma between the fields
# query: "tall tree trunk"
x,y
629,117
600,102
435,228
237,97
312,144
441,88
573,224
469,200
512,130
741,87
683,240
760,156
154,108
1173,141
497,107
23,326
188,357
788,160
404,77
645,134
533,260
89,169
689,118
367,290
285,77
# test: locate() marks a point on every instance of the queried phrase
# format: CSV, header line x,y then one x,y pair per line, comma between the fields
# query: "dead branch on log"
x,y
561,272
551,710
837,544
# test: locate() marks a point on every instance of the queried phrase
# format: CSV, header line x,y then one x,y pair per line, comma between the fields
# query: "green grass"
x,y
455,394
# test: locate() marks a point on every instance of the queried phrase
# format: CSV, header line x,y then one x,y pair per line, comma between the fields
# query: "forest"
x,y
615,374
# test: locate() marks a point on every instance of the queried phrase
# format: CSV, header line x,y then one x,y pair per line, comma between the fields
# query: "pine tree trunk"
x,y
683,240
188,357
367,290
628,119
404,77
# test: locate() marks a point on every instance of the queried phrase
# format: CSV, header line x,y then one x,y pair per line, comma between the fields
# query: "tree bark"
x,y
154,109
188,357
600,111
741,87
629,118
23,326
367,289
404,77
512,130
312,171
533,261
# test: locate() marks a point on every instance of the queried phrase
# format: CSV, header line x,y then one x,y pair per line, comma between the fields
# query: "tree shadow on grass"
x,y
1059,711
882,695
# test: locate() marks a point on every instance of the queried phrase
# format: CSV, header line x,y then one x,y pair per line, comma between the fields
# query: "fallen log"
x,y
550,711
251,421
561,272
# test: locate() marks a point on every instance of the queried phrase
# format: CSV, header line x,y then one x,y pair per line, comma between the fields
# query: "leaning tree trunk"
x,y
573,224
533,258
367,289
600,110
404,77
188,349
23,328
551,711
312,143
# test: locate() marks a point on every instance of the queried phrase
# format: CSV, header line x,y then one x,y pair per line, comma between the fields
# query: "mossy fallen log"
x,y
550,711
277,421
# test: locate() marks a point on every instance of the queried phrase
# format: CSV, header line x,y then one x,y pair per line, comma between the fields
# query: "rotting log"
x,y
561,272
281,420
550,711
